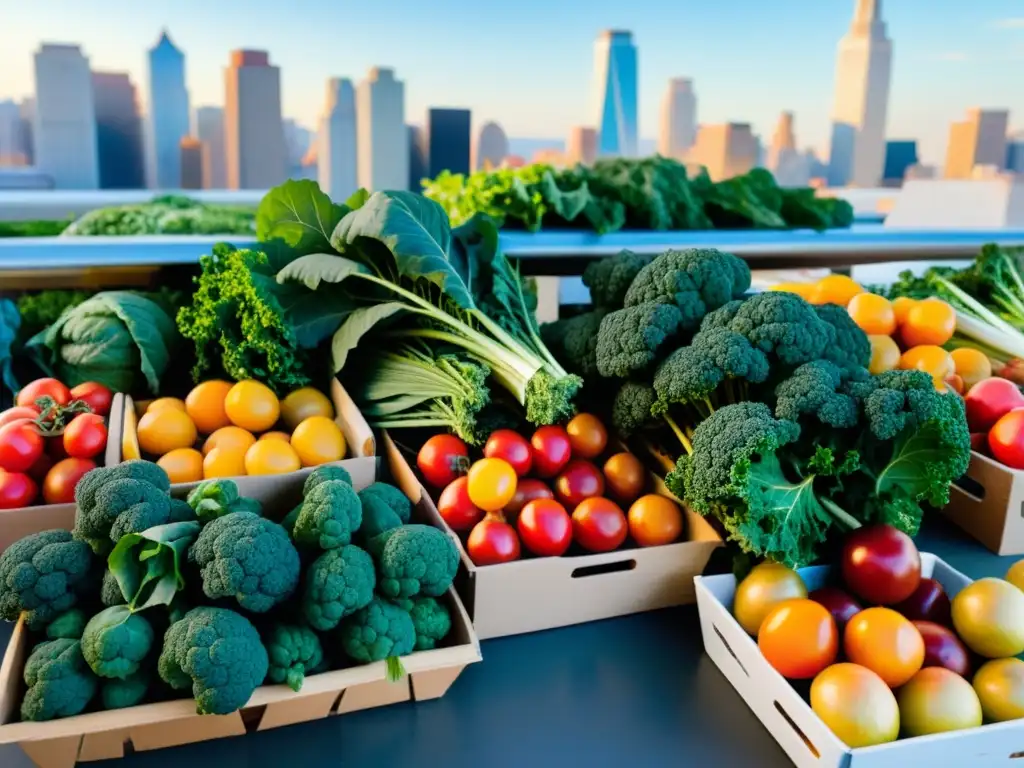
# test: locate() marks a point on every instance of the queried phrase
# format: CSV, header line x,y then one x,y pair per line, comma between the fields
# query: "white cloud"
x,y
952,56
1014,23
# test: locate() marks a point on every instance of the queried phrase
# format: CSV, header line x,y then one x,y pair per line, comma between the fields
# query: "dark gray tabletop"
x,y
636,691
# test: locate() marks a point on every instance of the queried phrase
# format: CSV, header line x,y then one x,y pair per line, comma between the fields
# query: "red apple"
x,y
880,564
942,648
929,602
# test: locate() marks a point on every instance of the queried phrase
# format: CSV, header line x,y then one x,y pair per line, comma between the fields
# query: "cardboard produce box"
x,y
806,739
988,503
18,523
104,735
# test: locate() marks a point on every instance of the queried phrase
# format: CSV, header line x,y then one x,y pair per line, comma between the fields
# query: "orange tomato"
x,y
885,354
971,365
165,402
654,520
835,289
271,457
931,321
587,436
165,429
872,313
182,465
901,308
224,461
799,638
205,404
935,361
886,643
252,406
276,436
229,437
624,477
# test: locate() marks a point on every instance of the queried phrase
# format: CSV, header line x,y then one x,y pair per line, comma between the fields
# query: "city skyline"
x,y
965,55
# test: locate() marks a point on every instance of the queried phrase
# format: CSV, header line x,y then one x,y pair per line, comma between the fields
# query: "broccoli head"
x,y
181,512
120,694
214,498
414,560
59,682
390,495
384,507
784,326
609,279
814,390
852,348
630,340
110,590
578,342
328,516
380,631
69,624
430,618
43,575
125,498
247,557
293,650
323,474
116,642
218,653
631,407
337,584
721,317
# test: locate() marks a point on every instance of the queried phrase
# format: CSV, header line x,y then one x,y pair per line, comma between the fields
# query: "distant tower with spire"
x,y
863,73
168,112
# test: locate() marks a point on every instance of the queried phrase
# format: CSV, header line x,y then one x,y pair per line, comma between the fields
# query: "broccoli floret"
x,y
813,390
377,632
322,475
378,517
110,591
43,575
125,498
69,625
391,496
247,557
293,650
610,278
214,498
578,342
629,340
431,619
218,653
631,407
337,584
785,326
328,516
414,560
181,512
119,694
59,682
852,348
116,641
721,317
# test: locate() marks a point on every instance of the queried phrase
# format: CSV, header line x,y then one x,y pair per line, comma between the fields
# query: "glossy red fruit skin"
x,y
599,525
942,648
551,450
839,603
21,445
96,396
880,564
455,506
988,400
545,528
929,602
85,436
528,489
442,459
1006,439
492,541
16,490
509,445
579,480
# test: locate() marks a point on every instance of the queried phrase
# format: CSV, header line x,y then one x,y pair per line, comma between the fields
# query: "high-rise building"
x,y
11,151
726,150
297,141
581,146
254,145
863,70
448,137
27,108
1015,152
168,111
381,133
490,148
978,140
209,129
65,118
192,160
418,169
615,65
118,131
337,151
790,166
899,155
678,128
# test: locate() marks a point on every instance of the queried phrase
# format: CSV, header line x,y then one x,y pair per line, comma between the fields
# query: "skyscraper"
x,y
448,140
168,111
118,131
899,156
863,71
337,157
1015,152
615,65
65,118
253,130
11,151
28,119
417,157
790,166
581,146
298,139
726,150
381,133
978,140
678,128
209,129
192,161
491,146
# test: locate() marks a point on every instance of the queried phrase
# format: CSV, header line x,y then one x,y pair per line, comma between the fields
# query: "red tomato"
x,y
929,602
837,602
526,491
578,481
455,507
20,445
599,525
1006,439
551,450
60,482
85,436
625,477
443,458
44,388
16,490
988,400
492,541
96,396
545,528
38,470
798,638
880,564
587,436
509,445
18,412
942,648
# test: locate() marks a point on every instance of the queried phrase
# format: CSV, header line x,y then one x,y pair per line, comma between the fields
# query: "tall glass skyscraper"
x,y
616,87
168,112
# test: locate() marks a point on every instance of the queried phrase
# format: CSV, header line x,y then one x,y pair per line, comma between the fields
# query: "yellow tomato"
x,y
766,586
835,289
872,313
252,406
936,700
1015,574
885,354
224,461
182,465
989,617
935,361
276,436
166,402
229,437
271,457
303,403
804,290
886,643
901,308
971,365
165,429
205,404
931,321
491,484
1000,688
856,705
318,440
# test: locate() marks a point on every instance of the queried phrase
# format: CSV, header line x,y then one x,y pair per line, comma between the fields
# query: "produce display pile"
x,y
152,598
653,193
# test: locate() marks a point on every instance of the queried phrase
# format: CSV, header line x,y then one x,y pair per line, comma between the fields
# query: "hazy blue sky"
x,y
528,63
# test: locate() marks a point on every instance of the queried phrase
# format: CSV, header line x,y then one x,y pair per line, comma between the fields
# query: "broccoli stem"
x,y
394,669
679,433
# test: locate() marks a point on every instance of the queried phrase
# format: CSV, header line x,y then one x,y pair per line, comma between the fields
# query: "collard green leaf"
x,y
315,268
358,199
148,565
300,214
357,325
314,315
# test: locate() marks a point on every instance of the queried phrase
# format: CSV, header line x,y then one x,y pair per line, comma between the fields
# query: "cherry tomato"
x,y
95,395
16,490
942,648
598,525
654,520
44,388
929,602
989,400
545,528
766,586
551,450
931,321
578,481
873,313
880,564
527,490
856,705
441,459
509,445
1006,439
492,541
18,412
21,445
886,643
837,602
85,436
972,365
798,638
455,507
491,484
60,482
624,477
587,436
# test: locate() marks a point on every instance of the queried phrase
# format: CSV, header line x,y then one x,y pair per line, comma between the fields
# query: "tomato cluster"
x,y
995,416
545,493
49,439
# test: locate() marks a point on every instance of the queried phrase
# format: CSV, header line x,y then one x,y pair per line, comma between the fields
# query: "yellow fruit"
x,y
937,700
271,457
318,440
229,437
835,289
988,615
252,406
885,353
804,290
163,430
901,307
1015,574
166,402
856,705
182,465
872,313
276,436
1000,687
205,404
130,450
767,585
224,461
303,403
971,365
